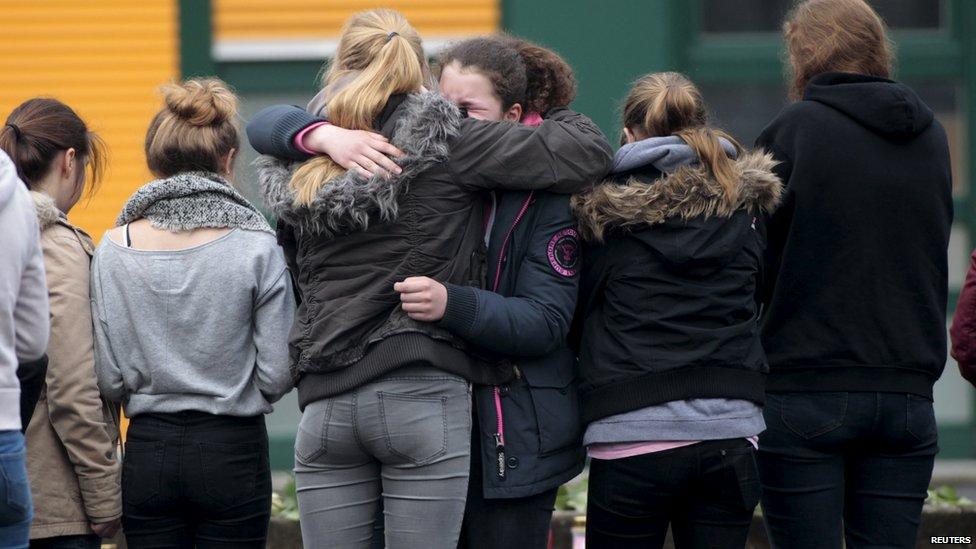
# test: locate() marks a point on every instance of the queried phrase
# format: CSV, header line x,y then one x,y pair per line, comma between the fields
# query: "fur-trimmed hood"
x,y
686,193
424,124
47,211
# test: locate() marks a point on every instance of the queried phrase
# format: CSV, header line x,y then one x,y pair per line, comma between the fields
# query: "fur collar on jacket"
x,y
47,211
426,122
683,194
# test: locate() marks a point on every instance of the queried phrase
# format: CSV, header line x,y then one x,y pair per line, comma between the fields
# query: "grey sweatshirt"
x,y
205,328
24,317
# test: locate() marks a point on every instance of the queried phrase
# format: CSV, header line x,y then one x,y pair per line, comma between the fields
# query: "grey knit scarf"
x,y
192,200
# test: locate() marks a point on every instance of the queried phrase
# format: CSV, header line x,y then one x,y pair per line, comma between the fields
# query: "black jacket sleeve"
x,y
273,129
565,154
31,375
535,319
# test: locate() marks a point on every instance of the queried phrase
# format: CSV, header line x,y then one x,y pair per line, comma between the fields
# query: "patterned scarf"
x,y
192,200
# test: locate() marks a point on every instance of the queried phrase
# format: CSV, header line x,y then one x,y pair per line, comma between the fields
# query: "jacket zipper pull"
x,y
500,455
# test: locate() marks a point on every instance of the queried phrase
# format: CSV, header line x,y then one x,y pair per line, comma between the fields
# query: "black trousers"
x,y
191,479
846,465
705,492
90,541
503,523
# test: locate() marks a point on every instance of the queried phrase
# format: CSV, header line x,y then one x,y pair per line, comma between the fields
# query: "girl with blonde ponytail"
x,y
673,369
385,390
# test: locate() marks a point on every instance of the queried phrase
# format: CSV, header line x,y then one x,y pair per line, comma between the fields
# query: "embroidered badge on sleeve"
x,y
564,252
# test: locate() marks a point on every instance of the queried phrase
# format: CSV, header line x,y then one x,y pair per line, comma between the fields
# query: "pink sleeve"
x,y
299,141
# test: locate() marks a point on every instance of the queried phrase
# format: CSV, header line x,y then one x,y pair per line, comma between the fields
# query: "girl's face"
x,y
473,91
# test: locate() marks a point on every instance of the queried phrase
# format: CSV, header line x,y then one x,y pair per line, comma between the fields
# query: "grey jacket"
x,y
24,322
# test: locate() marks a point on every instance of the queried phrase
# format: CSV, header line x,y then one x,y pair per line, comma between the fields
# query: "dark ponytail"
x,y
38,129
550,81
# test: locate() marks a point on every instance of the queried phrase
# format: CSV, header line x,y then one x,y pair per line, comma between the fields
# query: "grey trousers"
x,y
405,437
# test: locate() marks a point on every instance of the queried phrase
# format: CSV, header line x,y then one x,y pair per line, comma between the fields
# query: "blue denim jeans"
x,y
15,499
845,465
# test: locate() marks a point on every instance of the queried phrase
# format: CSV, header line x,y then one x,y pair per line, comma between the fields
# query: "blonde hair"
x,y
667,103
195,130
835,35
380,55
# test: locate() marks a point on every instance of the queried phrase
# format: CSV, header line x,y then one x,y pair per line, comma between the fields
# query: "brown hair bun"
x,y
200,102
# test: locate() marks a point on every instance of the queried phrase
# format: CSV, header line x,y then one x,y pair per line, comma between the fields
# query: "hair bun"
x,y
206,102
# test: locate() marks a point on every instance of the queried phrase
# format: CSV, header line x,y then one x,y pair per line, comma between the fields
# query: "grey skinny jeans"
x,y
405,436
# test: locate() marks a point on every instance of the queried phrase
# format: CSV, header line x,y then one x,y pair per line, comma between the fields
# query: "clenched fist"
x,y
422,298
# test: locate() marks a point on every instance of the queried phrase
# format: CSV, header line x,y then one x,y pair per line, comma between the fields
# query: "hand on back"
x,y
366,152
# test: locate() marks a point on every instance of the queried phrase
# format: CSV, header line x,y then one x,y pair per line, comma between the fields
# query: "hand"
x,y
106,529
366,152
422,298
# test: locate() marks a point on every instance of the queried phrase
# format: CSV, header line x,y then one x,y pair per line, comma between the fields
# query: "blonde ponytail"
x,y
667,103
384,56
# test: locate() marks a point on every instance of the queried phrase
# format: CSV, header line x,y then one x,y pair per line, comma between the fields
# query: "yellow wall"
x,y
305,19
104,58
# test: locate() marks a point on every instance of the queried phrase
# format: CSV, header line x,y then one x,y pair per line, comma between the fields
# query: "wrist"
x,y
310,139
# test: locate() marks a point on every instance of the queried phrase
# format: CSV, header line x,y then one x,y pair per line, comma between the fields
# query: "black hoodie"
x,y
856,265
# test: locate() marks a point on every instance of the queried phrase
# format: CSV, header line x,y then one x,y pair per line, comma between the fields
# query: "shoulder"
x,y
796,117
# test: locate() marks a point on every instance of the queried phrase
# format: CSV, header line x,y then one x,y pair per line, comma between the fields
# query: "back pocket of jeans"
x,y
14,489
142,471
230,471
414,426
920,418
741,465
311,442
810,415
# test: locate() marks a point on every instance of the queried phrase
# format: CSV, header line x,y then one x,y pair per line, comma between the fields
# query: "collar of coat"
x,y
49,215
47,211
683,194
424,125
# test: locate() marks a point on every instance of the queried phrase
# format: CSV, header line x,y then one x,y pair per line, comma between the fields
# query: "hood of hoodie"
x,y
888,108
686,217
420,124
665,154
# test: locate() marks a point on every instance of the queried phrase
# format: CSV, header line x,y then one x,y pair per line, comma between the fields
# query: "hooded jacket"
x,y
23,295
857,275
671,267
71,439
357,238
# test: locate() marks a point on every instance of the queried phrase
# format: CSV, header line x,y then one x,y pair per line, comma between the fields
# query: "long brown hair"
x,y
835,36
381,55
195,130
667,103
40,128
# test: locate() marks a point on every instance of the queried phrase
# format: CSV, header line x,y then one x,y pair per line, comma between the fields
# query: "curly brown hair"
x,y
550,80
519,71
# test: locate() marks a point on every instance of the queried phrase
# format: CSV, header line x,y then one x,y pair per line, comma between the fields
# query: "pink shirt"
x,y
619,450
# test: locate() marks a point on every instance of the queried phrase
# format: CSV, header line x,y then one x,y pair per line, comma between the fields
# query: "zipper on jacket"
x,y
499,434
500,460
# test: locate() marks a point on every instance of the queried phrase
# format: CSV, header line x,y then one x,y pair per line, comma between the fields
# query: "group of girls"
x,y
464,305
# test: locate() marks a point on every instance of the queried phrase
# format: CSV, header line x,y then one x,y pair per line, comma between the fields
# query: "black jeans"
x,y
860,462
90,541
706,492
191,479
503,523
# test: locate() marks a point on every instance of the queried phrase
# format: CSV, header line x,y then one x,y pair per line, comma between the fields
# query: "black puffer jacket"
x,y
667,300
358,238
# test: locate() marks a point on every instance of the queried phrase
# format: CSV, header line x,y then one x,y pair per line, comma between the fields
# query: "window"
x,y
722,16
